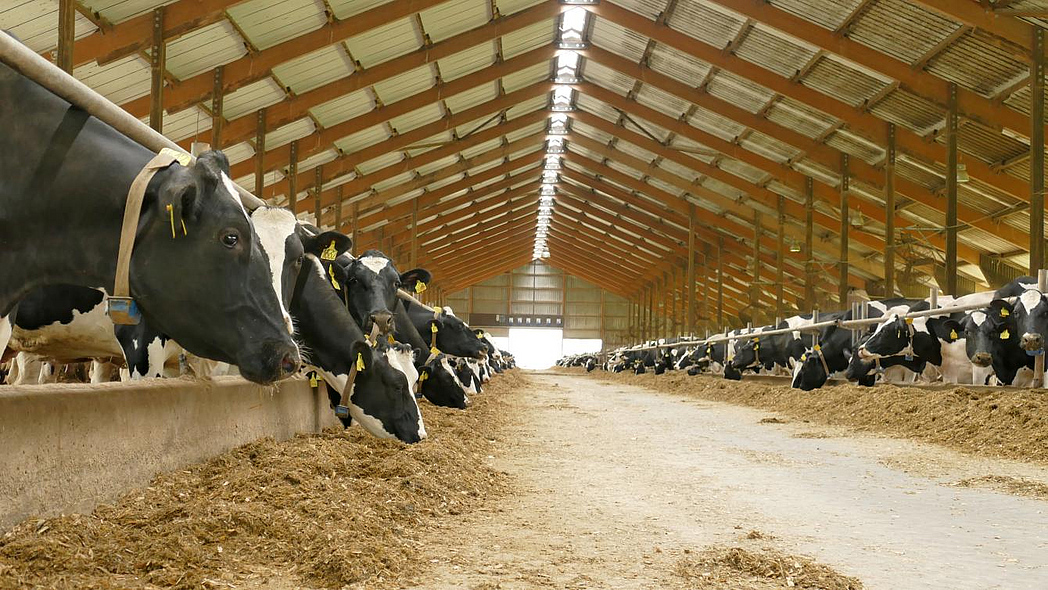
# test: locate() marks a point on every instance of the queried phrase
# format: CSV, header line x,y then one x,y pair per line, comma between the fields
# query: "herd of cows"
x,y
220,285
995,344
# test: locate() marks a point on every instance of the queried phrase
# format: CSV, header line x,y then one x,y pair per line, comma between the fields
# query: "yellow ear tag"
x,y
389,338
1004,313
171,214
313,380
334,281
423,376
434,350
1005,335
804,357
420,287
433,328
329,253
909,320
953,335
756,347
437,309
360,362
818,348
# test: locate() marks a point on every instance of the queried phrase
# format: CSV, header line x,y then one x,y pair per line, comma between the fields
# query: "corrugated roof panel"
x,y
607,77
842,82
476,125
384,43
528,106
526,131
472,97
694,149
204,49
269,22
314,69
711,122
343,108
526,77
120,81
406,84
817,171
511,6
445,182
35,23
976,61
238,152
591,105
481,148
583,151
647,128
739,91
484,167
922,173
986,144
347,8
769,147
665,187
620,40
248,180
471,60
290,132
704,22
1020,99
901,29
742,170
909,110
317,159
116,11
855,146
770,49
678,65
664,102
252,97
391,182
828,14
363,138
680,170
430,143
186,123
635,151
516,42
799,117
417,118
448,19
590,132
380,162
445,162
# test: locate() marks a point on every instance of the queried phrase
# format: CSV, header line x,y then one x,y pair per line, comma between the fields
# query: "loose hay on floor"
x,y
333,509
1017,486
736,568
997,423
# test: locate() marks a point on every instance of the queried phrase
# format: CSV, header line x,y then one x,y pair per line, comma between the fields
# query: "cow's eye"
x,y
230,238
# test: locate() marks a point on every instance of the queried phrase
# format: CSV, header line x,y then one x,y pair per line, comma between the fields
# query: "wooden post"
x,y
1037,154
720,282
755,288
260,152
356,226
414,234
809,243
780,261
889,215
951,192
157,61
66,34
292,179
603,334
842,292
675,329
216,109
338,209
690,281
318,188
707,286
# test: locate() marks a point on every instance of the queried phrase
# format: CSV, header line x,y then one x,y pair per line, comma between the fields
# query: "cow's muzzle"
x,y
1031,342
383,320
982,359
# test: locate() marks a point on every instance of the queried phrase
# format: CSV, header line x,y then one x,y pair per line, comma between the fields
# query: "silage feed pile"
x,y
1002,423
330,510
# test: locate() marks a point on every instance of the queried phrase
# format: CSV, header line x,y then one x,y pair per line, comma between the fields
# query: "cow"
x,y
440,326
372,282
440,384
992,340
769,351
66,179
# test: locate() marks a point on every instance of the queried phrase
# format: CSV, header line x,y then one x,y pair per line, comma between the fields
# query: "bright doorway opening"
x,y
536,348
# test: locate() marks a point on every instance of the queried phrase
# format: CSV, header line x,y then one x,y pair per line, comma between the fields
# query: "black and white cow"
x,y
372,282
453,336
441,385
776,350
991,340
65,181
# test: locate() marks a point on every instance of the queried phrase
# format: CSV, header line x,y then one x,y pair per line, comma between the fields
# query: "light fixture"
x,y
962,173
794,246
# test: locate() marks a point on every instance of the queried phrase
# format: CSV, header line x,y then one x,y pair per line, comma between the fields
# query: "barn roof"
x,y
591,130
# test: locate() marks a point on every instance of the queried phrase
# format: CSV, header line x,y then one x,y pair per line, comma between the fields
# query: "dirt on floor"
x,y
997,423
741,569
329,510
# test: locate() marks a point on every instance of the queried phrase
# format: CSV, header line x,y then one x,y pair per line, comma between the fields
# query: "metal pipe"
x,y
46,74
1038,361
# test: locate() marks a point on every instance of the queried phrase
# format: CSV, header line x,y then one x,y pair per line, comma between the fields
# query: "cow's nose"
x,y
383,319
1031,341
981,359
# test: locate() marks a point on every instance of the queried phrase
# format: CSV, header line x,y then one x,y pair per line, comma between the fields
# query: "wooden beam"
x,y
216,108
318,186
780,261
66,33
690,279
845,188
260,152
889,211
292,173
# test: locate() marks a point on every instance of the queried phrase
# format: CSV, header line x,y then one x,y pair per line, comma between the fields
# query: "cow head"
x,y
891,337
747,354
469,374
811,372
1031,321
372,281
216,257
441,385
988,332
382,400
455,337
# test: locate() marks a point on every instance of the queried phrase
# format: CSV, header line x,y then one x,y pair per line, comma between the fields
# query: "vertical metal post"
x,y
157,60
780,261
755,288
842,287
338,209
318,189
66,34
951,192
216,109
690,280
720,282
707,286
889,214
260,152
603,335
933,298
675,325
1037,153
809,242
292,179
414,234
355,220
1038,362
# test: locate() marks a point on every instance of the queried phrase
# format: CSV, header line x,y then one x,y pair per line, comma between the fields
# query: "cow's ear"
x,y
1000,309
948,330
328,245
177,201
413,277
215,160
362,356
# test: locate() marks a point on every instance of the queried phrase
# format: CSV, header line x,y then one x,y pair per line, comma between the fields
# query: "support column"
x,y
1037,154
780,261
356,226
673,303
691,268
603,333
216,109
951,192
707,286
318,188
414,234
292,179
260,152
755,288
842,286
809,243
720,282
157,61
338,209
889,215
66,34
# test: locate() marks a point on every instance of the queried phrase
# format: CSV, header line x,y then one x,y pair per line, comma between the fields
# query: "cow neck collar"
x,y
129,228
817,350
